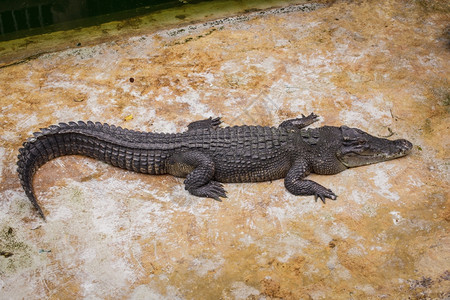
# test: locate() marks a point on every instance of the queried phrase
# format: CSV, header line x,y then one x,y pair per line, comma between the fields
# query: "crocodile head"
x,y
360,148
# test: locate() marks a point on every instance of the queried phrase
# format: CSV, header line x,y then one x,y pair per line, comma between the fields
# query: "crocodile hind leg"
x,y
199,171
207,123
300,123
297,185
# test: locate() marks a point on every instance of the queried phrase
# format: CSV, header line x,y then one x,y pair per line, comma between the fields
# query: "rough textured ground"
x,y
381,66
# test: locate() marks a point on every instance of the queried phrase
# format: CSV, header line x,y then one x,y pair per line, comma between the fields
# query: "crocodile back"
x,y
246,153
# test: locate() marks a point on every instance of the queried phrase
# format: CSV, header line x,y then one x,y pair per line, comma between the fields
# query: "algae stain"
x,y
197,37
430,6
15,254
77,196
427,128
133,23
446,102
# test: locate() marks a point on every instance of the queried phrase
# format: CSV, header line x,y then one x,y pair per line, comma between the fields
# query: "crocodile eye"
x,y
354,142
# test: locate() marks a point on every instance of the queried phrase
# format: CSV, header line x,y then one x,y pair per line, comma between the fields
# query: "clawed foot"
x,y
300,123
203,124
215,122
326,193
310,119
212,189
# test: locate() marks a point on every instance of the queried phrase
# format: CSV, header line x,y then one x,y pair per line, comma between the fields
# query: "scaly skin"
x,y
206,154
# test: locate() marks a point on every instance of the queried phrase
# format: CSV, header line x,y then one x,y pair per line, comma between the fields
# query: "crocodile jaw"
x,y
360,148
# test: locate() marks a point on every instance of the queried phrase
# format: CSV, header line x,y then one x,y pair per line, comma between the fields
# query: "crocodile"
x,y
207,154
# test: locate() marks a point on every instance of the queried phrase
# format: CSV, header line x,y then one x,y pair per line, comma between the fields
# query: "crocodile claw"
x,y
215,122
312,117
325,194
204,124
216,190
300,123
212,189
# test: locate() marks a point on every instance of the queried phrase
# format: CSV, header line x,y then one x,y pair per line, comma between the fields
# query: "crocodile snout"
x,y
403,146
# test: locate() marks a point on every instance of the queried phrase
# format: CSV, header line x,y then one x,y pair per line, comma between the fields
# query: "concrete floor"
x,y
381,66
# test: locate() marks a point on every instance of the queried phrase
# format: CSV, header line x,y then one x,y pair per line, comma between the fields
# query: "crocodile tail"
x,y
45,145
127,149
35,152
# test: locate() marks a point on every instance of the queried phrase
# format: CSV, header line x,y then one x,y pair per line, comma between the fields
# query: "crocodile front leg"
x,y
297,185
300,123
199,170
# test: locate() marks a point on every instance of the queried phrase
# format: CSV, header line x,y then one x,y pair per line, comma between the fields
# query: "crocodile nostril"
x,y
404,145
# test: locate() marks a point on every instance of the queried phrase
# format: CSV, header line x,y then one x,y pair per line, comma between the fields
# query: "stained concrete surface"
x,y
381,66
